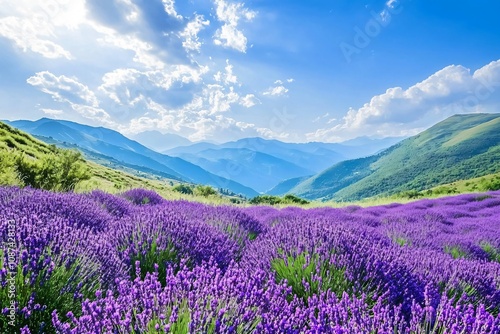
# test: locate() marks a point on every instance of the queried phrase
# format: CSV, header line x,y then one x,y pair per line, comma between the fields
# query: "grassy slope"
x,y
461,147
104,178
113,144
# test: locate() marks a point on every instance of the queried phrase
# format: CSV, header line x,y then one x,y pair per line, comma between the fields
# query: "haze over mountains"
x,y
262,164
248,166
460,147
112,144
160,142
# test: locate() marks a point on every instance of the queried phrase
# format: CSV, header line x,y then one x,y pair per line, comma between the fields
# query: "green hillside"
x,y
461,147
15,143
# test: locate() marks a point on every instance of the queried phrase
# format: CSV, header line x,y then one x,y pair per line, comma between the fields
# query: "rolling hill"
x,y
120,149
14,141
263,164
313,156
257,170
460,147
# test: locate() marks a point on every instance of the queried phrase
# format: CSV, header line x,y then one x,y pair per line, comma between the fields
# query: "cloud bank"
x,y
402,112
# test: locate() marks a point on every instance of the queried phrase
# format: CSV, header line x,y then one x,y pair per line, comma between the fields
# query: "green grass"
x,y
417,163
456,252
493,253
302,271
14,142
473,132
53,288
153,260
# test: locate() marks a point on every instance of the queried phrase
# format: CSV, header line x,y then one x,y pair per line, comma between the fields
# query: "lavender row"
x,y
135,262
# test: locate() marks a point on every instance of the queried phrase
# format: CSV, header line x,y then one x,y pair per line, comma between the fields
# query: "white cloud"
x,y
205,117
169,6
190,33
319,118
141,49
230,14
270,134
276,91
218,99
128,85
63,88
391,3
228,77
36,26
71,92
94,113
194,120
249,101
127,72
389,10
279,89
26,36
402,112
116,84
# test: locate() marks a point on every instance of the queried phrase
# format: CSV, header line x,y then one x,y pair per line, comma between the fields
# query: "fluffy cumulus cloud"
x,y
201,119
190,33
227,77
230,14
135,65
401,112
169,6
35,26
278,89
63,89
141,49
249,100
127,85
70,92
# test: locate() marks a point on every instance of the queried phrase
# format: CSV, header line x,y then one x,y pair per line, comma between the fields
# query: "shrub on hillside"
x,y
56,171
7,172
204,191
274,200
266,199
183,189
294,199
410,194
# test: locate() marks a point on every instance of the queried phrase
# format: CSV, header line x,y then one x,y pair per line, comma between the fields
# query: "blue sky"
x,y
221,70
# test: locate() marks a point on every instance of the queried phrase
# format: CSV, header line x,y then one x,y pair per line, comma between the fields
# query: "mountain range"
x,y
460,147
248,166
262,164
160,142
112,144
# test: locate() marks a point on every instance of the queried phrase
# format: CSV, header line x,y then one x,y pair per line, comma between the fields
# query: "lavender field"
x,y
136,263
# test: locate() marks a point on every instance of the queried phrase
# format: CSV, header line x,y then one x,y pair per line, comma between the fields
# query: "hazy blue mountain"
x,y
160,142
314,156
254,169
460,147
284,187
113,144
191,149
262,163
